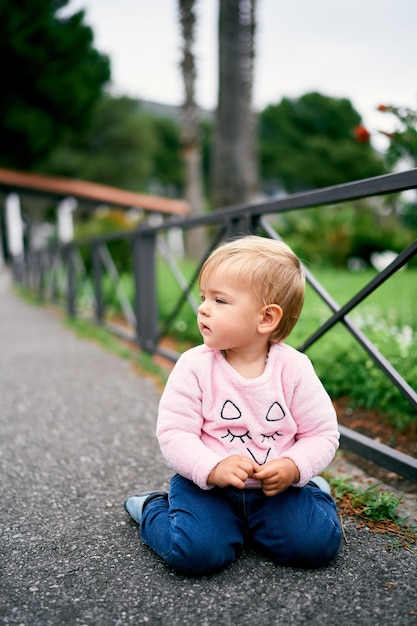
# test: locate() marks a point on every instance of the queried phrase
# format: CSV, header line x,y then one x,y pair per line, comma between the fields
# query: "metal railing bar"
x,y
366,188
389,183
170,355
111,268
120,332
379,453
169,259
406,390
55,285
312,281
80,266
341,312
216,240
68,256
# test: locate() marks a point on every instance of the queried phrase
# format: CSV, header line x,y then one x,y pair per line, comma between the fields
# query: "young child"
x,y
246,425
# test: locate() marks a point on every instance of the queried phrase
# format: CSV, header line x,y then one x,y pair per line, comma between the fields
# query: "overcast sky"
x,y
365,50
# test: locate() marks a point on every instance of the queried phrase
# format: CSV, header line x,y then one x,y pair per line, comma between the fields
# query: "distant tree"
x,y
234,174
117,149
190,126
125,147
402,140
51,78
168,171
313,142
402,149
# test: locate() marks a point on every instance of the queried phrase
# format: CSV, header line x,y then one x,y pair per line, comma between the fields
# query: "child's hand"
x,y
277,475
233,470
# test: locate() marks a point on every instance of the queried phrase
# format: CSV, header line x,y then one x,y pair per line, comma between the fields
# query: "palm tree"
x,y
190,127
234,157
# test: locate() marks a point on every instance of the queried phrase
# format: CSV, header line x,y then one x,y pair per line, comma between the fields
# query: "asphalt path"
x,y
77,436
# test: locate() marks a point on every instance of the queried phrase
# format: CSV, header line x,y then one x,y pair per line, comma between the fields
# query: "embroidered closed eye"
x,y
233,436
275,434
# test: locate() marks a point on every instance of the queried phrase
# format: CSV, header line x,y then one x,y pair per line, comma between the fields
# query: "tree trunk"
x,y
234,155
190,128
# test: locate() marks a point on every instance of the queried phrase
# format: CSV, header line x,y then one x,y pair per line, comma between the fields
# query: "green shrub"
x,y
370,502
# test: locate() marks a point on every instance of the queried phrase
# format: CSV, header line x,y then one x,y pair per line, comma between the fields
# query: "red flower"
x,y
383,107
362,134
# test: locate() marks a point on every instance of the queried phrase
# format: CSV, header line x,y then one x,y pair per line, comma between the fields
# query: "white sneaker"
x,y
321,483
135,504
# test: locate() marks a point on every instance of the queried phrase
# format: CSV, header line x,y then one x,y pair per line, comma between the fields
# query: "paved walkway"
x,y
77,435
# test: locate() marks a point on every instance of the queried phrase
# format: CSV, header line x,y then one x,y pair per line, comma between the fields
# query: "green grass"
x,y
377,509
388,318
370,502
393,301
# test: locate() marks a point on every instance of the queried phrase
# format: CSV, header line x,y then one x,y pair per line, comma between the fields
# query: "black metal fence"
x,y
61,270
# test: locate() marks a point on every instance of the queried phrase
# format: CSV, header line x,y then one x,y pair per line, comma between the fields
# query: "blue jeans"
x,y
200,532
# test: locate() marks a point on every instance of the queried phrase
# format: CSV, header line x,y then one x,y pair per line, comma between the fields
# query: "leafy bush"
x,y
387,318
334,235
370,502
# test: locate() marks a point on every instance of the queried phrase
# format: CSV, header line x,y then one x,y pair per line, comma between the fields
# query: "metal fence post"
x,y
53,253
71,287
97,282
146,306
41,275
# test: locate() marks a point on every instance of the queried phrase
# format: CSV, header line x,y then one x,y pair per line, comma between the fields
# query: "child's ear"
x,y
271,315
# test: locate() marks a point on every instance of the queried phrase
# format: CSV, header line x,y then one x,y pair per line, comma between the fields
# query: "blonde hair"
x,y
270,269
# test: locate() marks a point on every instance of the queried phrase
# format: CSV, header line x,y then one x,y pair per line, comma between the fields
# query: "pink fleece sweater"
x,y
208,411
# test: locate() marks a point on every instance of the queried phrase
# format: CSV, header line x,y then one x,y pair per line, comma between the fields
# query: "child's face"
x,y
228,315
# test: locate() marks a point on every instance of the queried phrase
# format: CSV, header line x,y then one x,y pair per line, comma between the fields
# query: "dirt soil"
x,y
375,425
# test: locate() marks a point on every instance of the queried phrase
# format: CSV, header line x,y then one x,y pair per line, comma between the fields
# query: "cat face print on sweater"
x,y
259,444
